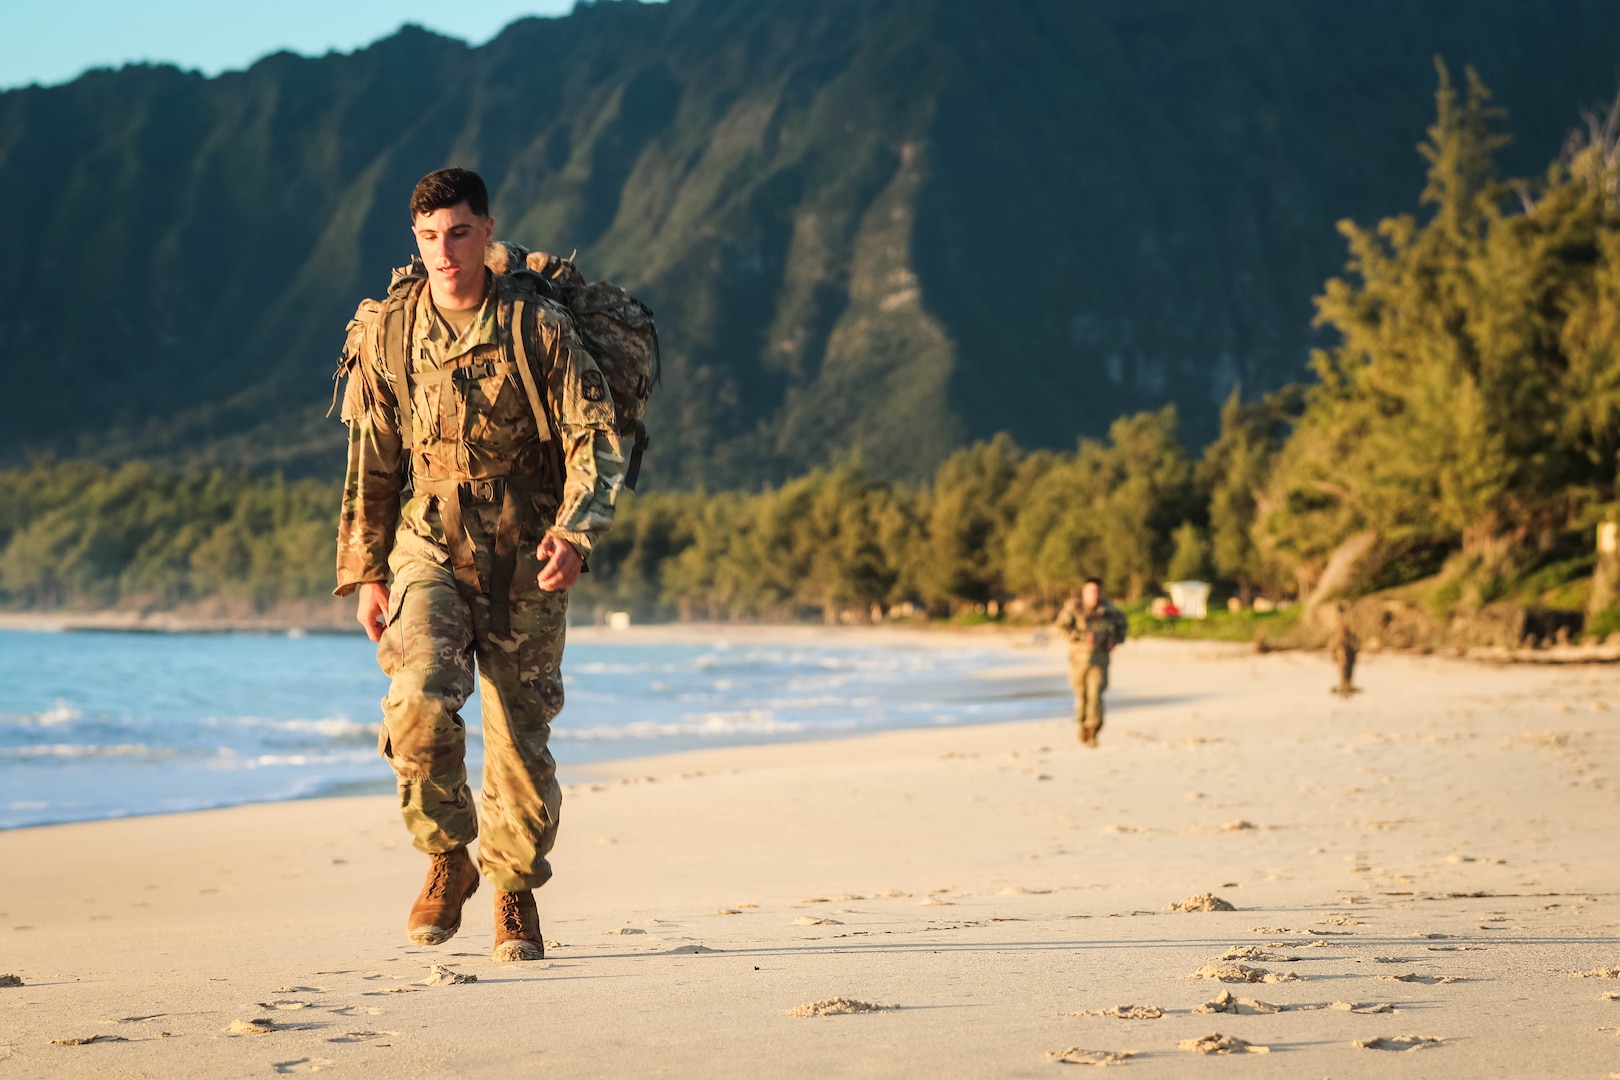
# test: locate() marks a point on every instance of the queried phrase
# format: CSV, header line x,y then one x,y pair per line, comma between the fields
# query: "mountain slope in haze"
x,y
880,228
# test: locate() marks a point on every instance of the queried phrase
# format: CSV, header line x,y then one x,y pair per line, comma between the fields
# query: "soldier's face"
x,y
1089,594
452,242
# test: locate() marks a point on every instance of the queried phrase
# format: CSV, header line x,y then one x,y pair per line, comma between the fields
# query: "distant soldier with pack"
x,y
1095,629
1343,647
485,459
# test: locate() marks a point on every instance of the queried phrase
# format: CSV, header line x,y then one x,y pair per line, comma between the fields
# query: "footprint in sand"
x,y
1224,1002
1242,973
1077,1055
838,898
439,975
1400,1043
299,1066
258,1026
1250,952
838,1006
1597,973
806,920
89,1041
1427,980
135,1019
1222,1044
1201,902
625,930
1123,1012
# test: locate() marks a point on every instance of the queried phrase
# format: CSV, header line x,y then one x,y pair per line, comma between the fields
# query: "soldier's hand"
x,y
373,608
560,564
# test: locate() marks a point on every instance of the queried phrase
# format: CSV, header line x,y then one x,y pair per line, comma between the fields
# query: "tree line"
x,y
1465,422
82,534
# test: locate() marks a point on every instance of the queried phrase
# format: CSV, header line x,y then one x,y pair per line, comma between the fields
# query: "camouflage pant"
x,y
436,630
1089,681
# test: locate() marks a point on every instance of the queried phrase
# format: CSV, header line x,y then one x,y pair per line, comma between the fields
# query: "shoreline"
x,y
134,622
1014,669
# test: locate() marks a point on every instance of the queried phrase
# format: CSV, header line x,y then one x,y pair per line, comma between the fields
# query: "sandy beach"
x,y
1433,859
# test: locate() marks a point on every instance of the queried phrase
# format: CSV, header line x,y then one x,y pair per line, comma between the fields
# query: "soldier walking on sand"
x,y
1343,648
471,398
1095,628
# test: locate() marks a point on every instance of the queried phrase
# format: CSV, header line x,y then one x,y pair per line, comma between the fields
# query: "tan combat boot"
x,y
436,915
517,927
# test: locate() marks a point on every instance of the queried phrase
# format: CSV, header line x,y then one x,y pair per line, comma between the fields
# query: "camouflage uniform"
x,y
482,475
1093,633
1343,649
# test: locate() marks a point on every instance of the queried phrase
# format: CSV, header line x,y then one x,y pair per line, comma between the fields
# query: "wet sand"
x,y
1425,882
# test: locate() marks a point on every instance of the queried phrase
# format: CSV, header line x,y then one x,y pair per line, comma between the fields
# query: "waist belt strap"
x,y
516,507
447,493
516,510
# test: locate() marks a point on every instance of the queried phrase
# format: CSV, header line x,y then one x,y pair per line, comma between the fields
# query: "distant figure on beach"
x,y
1343,649
470,395
1095,628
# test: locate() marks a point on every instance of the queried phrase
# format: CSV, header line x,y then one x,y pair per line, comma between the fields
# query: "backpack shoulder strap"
x,y
395,330
518,331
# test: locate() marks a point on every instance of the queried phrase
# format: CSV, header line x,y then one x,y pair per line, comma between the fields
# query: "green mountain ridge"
x,y
878,228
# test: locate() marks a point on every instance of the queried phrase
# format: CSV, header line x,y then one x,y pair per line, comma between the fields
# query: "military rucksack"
x,y
616,328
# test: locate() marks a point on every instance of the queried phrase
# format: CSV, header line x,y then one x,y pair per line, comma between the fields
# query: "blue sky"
x,y
51,41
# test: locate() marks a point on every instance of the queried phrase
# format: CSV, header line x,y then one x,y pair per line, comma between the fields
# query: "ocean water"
x,y
100,724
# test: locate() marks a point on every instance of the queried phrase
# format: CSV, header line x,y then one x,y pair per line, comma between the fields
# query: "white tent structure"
x,y
1190,597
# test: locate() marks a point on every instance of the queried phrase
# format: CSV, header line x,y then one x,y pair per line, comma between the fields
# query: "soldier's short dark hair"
x,y
445,188
1092,581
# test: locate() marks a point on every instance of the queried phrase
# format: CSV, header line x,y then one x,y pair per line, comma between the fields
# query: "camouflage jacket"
x,y
472,422
1105,623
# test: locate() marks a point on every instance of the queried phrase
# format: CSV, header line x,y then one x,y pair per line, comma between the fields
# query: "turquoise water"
x,y
98,724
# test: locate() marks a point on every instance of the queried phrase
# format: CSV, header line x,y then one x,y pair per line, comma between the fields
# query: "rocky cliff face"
x,y
879,227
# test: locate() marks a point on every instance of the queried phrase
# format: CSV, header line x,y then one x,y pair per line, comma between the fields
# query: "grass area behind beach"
x,y
1220,625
